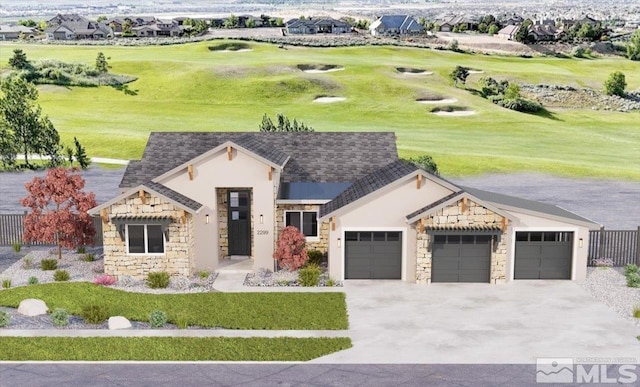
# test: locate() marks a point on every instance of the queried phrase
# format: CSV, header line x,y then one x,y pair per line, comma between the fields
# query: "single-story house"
x,y
79,30
543,32
317,26
195,199
167,28
508,32
396,25
13,32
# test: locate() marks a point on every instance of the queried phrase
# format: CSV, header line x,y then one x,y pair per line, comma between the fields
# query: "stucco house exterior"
x,y
195,199
395,25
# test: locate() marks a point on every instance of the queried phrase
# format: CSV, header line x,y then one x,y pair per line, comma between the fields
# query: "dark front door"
x,y
239,223
461,258
373,255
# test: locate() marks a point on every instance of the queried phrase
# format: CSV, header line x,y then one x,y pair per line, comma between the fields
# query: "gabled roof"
x,y
509,30
172,196
369,184
402,22
314,156
529,206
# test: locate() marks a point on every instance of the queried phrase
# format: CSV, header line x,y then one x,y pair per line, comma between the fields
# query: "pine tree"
x,y
81,155
101,63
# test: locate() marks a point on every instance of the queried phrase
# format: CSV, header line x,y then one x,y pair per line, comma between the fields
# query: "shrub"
x,y
290,252
17,247
636,311
315,257
182,321
158,280
309,275
602,262
81,250
32,280
60,317
158,319
330,282
615,84
633,280
578,52
61,275
27,263
89,258
105,280
6,283
630,268
94,314
49,264
203,274
4,319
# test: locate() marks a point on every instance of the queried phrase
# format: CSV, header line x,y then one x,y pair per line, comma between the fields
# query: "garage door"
x,y
461,258
543,255
373,255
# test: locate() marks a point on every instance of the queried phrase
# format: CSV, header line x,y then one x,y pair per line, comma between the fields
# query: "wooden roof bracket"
x,y
270,172
229,152
142,196
183,217
419,181
333,223
190,171
104,216
504,224
421,226
464,204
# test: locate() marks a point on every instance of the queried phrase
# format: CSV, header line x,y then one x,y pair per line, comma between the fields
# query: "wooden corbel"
x,y
103,216
229,152
270,172
333,223
419,181
142,196
183,217
504,224
464,204
421,225
190,171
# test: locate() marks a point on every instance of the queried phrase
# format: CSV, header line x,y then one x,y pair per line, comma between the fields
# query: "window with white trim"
x,y
305,221
145,239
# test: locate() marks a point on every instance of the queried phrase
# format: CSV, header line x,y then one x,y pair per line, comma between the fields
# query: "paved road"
x,y
263,375
7,258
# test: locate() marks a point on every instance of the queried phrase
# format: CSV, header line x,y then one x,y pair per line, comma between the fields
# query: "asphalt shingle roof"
x,y
314,156
175,196
368,184
433,205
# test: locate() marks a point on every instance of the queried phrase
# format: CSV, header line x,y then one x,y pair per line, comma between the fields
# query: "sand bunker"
x,y
410,71
472,71
318,69
456,113
329,99
239,50
436,101
231,47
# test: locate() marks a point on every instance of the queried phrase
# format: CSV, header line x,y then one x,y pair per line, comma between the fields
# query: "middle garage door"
x,y
373,255
461,258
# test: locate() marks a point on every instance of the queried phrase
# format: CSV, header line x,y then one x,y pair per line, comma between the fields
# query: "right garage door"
x,y
543,255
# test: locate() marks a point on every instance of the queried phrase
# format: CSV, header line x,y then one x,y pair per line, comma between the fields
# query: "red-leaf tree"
x,y
290,252
59,210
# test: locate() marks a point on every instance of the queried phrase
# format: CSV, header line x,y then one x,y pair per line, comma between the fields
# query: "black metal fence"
x,y
11,230
622,246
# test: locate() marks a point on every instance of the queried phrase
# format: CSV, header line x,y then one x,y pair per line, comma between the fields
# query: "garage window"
x,y
305,221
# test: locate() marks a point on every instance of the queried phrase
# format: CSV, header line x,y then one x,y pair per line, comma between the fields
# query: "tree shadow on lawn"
x,y
544,113
125,89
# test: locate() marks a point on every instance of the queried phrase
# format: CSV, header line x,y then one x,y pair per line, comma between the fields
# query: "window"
x,y
145,239
305,221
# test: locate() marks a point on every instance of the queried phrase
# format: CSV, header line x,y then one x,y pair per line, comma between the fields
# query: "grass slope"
x,y
225,310
169,348
189,87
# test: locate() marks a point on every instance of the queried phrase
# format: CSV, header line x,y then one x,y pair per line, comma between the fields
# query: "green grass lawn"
x,y
190,88
169,348
317,311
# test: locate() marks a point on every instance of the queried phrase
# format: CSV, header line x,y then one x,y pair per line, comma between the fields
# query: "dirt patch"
x,y
319,68
231,47
328,99
412,71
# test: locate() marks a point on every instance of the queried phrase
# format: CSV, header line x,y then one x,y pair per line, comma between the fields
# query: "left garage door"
x,y
373,255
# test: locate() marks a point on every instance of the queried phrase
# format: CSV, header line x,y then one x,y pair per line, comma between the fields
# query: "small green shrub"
x,y
330,282
630,268
32,280
309,275
17,246
4,319
94,314
633,280
81,250
27,263
203,274
89,258
49,264
6,283
158,280
158,319
315,257
283,282
61,276
60,317
636,311
182,321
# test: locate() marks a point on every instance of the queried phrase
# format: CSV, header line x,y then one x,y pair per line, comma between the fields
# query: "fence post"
x,y
638,247
601,244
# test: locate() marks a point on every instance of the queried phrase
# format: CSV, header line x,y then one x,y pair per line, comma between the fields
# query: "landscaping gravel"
x,y
609,286
266,278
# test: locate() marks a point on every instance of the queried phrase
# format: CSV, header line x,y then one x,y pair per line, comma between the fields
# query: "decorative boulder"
x,y
119,322
32,307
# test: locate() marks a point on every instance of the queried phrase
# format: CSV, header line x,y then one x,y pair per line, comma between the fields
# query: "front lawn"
x,y
169,348
225,310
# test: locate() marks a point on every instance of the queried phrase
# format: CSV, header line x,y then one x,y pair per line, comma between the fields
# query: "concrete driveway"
x,y
395,322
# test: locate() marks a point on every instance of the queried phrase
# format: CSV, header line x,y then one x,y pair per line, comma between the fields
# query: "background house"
x,y
14,31
395,25
317,26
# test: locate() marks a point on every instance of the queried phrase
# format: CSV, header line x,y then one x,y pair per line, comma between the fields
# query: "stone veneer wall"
x,y
452,217
323,243
223,219
178,257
